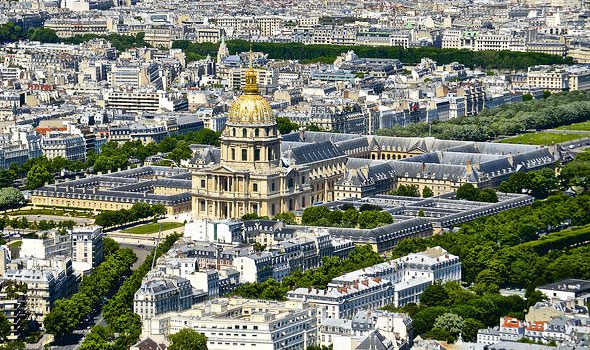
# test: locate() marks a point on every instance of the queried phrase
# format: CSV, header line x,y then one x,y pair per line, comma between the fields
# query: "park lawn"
x,y
583,126
56,212
153,228
541,138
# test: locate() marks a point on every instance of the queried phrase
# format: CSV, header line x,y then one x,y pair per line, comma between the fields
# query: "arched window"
x,y
233,132
256,132
244,133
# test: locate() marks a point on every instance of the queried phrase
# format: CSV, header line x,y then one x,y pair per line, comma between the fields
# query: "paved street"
x,y
73,343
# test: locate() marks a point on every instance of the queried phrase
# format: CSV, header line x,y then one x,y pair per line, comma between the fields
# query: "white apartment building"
x,y
159,294
225,231
87,247
433,264
83,244
242,324
401,281
62,144
344,302
144,101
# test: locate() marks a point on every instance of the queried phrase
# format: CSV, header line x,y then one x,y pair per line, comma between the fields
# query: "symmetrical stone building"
x,y
251,177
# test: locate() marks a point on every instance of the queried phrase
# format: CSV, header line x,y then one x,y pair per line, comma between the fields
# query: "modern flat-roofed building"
x,y
568,289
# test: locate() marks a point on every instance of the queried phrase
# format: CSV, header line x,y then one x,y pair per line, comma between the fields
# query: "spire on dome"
x,y
251,86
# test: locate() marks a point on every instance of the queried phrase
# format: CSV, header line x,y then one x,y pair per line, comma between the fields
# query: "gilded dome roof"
x,y
251,107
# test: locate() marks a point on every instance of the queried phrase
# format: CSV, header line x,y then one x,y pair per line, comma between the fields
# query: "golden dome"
x,y
251,107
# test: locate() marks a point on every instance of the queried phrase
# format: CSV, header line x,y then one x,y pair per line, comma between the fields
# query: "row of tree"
x,y
67,314
411,191
361,257
494,250
114,156
138,211
41,225
123,325
328,53
346,216
558,109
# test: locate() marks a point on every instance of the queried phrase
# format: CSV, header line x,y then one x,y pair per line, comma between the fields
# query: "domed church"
x,y
250,176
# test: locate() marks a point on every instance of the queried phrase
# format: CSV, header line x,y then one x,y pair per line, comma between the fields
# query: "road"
x,y
73,342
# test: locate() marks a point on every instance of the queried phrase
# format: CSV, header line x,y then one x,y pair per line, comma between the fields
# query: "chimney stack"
x,y
468,168
302,133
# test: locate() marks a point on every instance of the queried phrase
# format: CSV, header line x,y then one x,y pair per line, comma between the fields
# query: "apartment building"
x,y
395,328
160,294
554,79
47,280
63,144
87,247
13,304
144,101
68,27
83,244
343,302
242,324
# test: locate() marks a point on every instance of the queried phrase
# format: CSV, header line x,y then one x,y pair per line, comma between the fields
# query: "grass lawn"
x,y
541,138
57,212
583,126
152,228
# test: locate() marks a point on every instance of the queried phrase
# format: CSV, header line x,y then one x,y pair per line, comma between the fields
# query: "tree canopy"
x,y
328,53
558,109
187,339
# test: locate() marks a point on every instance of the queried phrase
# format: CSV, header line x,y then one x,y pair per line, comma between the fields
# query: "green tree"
x,y
187,339
312,215
44,35
527,97
434,295
4,327
38,176
450,322
372,218
368,206
406,190
487,195
285,126
468,192
286,217
470,328
10,198
182,151
7,178
427,192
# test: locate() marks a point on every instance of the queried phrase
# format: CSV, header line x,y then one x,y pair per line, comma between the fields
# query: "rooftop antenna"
x,y
156,247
